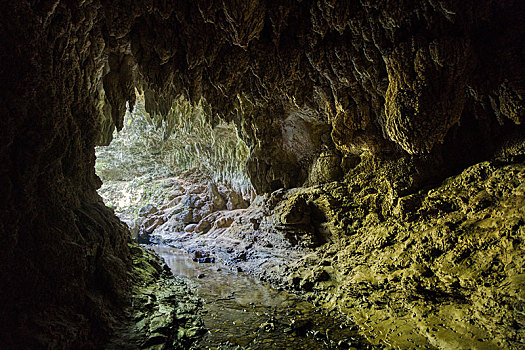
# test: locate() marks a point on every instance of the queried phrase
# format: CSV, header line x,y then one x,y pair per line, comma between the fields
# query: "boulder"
x,y
218,202
186,216
296,212
235,201
148,209
203,226
225,221
192,201
196,189
190,228
152,223
173,202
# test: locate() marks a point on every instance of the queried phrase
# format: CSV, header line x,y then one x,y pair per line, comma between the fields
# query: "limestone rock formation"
x,y
352,78
185,140
392,97
164,312
440,268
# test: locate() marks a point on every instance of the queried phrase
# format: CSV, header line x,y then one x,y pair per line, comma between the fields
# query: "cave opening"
x,y
179,185
172,171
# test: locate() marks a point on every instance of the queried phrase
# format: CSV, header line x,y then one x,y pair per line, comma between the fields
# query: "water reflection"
x,y
241,312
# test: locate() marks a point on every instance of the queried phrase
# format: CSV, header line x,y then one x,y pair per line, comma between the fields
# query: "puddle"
x,y
241,312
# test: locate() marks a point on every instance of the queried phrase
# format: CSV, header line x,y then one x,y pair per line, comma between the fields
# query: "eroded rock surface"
x,y
304,77
164,312
440,268
390,96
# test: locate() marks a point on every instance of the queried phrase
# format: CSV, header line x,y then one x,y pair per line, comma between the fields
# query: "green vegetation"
x,y
164,146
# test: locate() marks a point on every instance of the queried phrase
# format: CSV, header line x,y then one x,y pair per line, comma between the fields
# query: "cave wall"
x,y
64,256
426,86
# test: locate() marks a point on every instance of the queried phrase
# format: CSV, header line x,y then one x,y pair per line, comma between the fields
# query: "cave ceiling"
x,y
367,76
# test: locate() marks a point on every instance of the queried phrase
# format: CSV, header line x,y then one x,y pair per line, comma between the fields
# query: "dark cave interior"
x,y
399,122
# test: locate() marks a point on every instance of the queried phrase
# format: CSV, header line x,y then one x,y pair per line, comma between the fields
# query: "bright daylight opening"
x,y
167,177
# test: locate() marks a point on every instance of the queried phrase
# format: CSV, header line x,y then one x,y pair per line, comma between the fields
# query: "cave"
x,y
382,150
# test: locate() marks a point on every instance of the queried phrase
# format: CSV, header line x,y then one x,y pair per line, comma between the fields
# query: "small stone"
x,y
200,254
190,228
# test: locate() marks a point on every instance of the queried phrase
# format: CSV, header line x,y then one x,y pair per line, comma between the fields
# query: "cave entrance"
x,y
175,175
179,183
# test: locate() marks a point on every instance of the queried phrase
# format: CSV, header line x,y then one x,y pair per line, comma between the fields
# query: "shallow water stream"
x,y
241,312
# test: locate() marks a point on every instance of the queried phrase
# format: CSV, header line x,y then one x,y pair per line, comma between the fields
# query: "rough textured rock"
x,y
413,79
441,268
302,80
218,202
164,312
186,139
64,256
403,93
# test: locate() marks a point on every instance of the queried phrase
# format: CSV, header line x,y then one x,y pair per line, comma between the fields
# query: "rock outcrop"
x,y
441,268
394,94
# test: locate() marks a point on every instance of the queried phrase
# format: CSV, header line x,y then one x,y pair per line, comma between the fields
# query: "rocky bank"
x,y
443,269
384,139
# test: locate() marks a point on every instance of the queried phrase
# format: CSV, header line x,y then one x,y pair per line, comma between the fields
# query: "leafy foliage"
x,y
162,147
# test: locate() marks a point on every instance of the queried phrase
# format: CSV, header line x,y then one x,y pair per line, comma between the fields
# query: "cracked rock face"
x,y
425,87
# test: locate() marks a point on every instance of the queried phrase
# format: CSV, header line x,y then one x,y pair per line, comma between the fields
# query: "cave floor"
x,y
443,270
241,312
